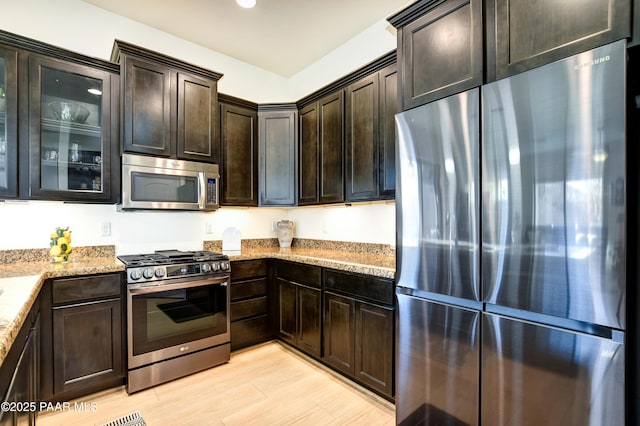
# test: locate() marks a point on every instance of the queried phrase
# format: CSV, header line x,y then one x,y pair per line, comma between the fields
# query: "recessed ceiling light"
x,y
247,4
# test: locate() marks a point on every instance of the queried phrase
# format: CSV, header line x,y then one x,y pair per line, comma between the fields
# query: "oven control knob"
x,y
224,266
148,273
215,266
206,268
135,274
159,273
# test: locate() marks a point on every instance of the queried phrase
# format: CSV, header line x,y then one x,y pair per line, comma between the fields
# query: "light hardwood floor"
x,y
268,384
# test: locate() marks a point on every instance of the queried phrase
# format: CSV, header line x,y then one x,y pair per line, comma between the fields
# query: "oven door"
x,y
172,319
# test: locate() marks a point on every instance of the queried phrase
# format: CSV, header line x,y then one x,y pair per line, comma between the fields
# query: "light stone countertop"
x,y
20,284
379,265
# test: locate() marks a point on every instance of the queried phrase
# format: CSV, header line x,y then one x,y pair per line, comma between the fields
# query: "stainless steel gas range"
x,y
177,315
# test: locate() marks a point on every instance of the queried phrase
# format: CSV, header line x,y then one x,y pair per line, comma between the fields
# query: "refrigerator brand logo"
x,y
593,62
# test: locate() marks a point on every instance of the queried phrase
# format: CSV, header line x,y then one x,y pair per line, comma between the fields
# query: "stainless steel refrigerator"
x,y
511,275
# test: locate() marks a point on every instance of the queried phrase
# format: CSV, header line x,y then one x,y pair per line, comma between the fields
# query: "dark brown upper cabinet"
x,y
278,149
72,132
371,105
308,155
239,146
331,147
8,122
362,154
346,137
321,157
522,34
389,107
635,30
439,49
58,123
169,107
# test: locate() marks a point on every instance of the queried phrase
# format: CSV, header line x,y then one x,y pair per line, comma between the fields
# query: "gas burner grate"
x,y
169,257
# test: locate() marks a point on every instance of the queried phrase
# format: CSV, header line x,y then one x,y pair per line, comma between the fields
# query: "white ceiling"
x,y
281,36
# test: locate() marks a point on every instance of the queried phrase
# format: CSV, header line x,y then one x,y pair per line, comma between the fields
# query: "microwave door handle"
x,y
202,192
144,289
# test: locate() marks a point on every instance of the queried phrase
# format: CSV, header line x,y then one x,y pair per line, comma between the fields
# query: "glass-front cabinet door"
x,y
8,123
70,131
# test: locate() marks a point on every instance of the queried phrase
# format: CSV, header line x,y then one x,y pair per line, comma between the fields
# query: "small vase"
x,y
285,233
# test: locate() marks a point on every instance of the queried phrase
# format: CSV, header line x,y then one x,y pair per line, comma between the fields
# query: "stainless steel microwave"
x,y
168,184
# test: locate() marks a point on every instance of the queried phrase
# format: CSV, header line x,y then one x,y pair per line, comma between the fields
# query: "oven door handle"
x,y
143,289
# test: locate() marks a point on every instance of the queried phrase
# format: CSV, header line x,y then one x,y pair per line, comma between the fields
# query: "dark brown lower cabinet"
x,y
359,328
374,347
309,320
84,349
339,332
358,340
19,375
300,316
299,298
287,307
87,342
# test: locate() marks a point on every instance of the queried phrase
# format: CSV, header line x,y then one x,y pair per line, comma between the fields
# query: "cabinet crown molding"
x,y
376,65
38,47
412,12
232,100
277,107
121,47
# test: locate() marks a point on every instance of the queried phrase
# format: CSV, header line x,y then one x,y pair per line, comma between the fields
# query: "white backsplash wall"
x,y
27,224
360,222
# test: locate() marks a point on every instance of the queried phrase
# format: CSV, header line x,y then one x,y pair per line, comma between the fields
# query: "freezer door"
x,y
437,363
553,189
437,197
537,375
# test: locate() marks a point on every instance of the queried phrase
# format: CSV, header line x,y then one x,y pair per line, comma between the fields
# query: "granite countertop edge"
x,y
376,265
21,283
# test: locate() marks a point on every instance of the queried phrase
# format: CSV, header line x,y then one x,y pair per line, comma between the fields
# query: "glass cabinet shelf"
x,y
51,124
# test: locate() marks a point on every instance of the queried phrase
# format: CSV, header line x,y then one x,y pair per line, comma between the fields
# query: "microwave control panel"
x,y
212,194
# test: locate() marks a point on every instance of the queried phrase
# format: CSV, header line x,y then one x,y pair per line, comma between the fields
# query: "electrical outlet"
x,y
105,229
325,227
209,228
274,226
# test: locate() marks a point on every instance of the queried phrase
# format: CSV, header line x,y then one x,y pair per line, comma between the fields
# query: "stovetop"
x,y
165,265
170,257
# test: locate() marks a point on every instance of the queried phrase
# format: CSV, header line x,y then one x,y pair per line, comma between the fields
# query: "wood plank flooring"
x,y
268,384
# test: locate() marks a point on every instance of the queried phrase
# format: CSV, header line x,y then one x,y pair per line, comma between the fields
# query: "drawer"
x,y
249,332
67,290
248,308
243,269
247,289
364,287
299,273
